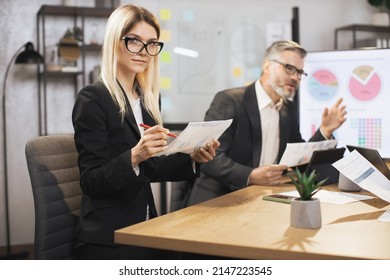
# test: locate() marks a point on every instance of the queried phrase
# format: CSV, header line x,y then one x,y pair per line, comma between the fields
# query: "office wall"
x,y
18,25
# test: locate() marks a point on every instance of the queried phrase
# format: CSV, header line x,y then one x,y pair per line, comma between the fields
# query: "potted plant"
x,y
306,210
382,17
69,46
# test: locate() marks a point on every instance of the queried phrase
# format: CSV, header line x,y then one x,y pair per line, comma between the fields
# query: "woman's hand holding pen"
x,y
153,141
206,153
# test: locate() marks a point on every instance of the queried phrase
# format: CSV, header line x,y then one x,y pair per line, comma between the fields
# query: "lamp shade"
x,y
29,55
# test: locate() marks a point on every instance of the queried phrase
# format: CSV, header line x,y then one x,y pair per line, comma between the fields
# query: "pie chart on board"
x,y
365,83
323,84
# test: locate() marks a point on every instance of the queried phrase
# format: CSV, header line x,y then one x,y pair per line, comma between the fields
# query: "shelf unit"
x,y
78,78
355,28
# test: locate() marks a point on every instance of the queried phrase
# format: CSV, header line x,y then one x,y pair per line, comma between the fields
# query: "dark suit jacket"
x,y
113,195
240,148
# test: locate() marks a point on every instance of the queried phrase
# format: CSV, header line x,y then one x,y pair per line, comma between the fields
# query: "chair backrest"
x,y
54,174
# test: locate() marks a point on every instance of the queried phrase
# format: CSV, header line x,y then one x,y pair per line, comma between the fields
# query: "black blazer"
x,y
113,195
240,148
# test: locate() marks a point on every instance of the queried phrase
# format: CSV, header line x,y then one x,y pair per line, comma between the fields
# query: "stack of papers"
x,y
300,153
195,135
360,171
385,217
333,197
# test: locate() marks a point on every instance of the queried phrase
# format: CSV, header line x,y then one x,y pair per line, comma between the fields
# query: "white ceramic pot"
x,y
380,19
306,213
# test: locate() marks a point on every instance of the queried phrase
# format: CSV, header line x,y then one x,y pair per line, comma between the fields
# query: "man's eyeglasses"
x,y
292,70
135,45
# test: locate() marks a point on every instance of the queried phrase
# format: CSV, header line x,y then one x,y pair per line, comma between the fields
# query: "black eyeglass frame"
x,y
145,46
291,69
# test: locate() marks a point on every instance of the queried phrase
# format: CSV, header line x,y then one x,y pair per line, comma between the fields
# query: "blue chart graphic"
x,y
323,85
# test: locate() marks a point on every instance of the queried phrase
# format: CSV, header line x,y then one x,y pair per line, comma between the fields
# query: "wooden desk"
x,y
243,225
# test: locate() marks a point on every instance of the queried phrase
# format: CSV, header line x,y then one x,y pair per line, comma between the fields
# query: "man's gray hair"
x,y
273,51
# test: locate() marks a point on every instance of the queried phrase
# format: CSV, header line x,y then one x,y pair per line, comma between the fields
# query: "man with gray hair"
x,y
265,119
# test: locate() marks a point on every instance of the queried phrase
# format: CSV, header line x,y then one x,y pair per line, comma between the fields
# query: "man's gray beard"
x,y
279,90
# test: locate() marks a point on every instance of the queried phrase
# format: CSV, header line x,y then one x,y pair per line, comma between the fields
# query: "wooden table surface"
x,y
243,225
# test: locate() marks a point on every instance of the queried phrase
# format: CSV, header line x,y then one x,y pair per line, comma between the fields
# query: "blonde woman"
x,y
115,154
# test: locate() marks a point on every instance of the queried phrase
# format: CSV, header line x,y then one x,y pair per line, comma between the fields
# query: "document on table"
x,y
359,170
300,153
195,135
385,217
333,197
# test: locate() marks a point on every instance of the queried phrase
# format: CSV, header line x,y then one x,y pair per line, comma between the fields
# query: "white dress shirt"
x,y
269,115
136,107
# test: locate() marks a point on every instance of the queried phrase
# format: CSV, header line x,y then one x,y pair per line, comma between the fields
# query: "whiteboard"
x,y
229,38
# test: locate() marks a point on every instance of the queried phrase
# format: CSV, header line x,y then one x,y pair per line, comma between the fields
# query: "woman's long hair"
x,y
121,21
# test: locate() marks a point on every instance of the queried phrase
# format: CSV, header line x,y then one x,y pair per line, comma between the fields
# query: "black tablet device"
x,y
321,161
373,156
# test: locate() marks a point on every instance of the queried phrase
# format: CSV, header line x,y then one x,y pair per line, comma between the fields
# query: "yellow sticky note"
x,y
165,14
165,83
165,35
237,72
166,56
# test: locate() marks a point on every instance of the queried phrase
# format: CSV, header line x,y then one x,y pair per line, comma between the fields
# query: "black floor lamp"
x,y
30,56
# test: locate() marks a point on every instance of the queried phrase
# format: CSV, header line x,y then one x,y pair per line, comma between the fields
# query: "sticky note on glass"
x,y
165,14
256,71
166,56
237,72
165,83
188,15
165,35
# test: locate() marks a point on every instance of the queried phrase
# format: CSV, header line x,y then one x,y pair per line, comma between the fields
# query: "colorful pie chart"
x,y
365,84
323,85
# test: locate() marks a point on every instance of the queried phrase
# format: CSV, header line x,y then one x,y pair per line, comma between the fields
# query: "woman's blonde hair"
x,y
120,22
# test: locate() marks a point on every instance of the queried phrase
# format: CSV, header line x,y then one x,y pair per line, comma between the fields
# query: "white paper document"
x,y
195,135
333,197
359,170
300,153
385,217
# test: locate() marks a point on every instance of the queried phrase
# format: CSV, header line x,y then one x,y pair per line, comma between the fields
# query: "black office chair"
x,y
54,174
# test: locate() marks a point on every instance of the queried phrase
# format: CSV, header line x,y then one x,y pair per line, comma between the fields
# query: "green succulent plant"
x,y
306,185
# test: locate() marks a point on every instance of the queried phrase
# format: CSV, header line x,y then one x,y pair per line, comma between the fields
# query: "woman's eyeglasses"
x,y
135,45
292,70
